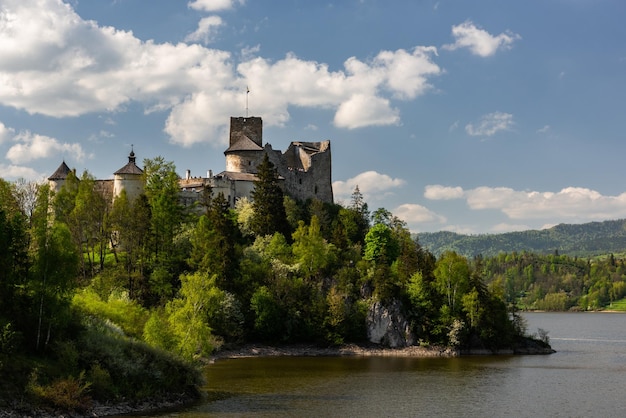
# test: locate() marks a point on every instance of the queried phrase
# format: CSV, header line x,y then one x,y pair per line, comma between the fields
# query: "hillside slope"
x,y
576,240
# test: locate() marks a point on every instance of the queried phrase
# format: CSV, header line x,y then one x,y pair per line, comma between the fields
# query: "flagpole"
x,y
247,92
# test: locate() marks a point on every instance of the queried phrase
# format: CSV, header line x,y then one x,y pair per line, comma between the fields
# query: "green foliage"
x,y
380,245
188,315
313,254
69,393
117,308
452,276
269,315
583,240
269,215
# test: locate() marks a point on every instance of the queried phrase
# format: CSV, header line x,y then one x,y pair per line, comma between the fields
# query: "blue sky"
x,y
473,116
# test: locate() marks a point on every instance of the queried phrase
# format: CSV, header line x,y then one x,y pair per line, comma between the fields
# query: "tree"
x,y
311,250
355,218
269,211
214,243
130,226
452,279
188,315
53,270
13,254
161,189
88,222
380,245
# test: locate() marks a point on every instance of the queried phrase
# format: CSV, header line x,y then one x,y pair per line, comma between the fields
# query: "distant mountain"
x,y
588,239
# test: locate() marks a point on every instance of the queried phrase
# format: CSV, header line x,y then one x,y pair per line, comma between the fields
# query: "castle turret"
x,y
57,179
245,152
128,178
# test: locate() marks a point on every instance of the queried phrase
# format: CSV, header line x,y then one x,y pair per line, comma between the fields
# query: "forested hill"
x,y
576,240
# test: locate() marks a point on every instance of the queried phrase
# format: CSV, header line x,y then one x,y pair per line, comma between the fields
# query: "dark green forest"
x,y
584,240
106,299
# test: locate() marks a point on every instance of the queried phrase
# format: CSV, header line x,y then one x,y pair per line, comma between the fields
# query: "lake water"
x,y
585,378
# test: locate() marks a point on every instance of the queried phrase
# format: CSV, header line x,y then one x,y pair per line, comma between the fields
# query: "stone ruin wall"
x,y
306,169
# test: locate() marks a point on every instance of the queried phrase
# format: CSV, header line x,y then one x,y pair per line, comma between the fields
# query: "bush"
x,y
69,393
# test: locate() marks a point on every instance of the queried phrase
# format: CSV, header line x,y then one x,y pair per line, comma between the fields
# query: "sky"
x,y
481,116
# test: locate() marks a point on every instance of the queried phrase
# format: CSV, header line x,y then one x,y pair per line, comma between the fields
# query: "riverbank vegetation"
x,y
109,302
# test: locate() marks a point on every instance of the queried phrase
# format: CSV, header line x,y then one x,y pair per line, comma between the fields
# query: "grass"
x,y
619,305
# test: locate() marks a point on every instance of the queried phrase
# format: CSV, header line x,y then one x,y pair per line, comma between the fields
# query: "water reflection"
x,y
586,377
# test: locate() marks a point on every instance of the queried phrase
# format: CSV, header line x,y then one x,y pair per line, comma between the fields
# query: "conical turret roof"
x,y
131,167
61,172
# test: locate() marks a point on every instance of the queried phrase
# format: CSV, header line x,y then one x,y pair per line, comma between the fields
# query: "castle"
x,y
304,169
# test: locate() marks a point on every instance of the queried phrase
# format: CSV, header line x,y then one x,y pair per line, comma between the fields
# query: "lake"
x,y
585,378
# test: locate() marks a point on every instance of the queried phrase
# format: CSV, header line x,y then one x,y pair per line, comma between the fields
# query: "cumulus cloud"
x,y
214,5
490,124
575,204
372,185
208,28
6,133
54,63
16,172
32,147
438,192
361,110
414,215
479,41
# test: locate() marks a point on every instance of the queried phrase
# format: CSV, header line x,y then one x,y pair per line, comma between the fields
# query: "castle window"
x,y
300,180
315,189
249,162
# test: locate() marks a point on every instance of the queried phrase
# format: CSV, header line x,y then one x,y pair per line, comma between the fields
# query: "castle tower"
x,y
128,178
245,151
57,179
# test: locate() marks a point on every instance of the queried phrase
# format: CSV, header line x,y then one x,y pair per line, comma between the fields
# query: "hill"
x,y
581,240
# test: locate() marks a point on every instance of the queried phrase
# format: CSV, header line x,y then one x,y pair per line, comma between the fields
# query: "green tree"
x,y
267,201
452,276
355,218
161,189
130,226
380,245
14,261
88,222
188,315
311,250
53,270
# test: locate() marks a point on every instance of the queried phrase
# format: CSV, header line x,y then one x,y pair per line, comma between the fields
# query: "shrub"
x,y
69,393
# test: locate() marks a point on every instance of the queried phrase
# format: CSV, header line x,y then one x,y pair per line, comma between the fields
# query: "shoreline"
x,y
354,350
346,350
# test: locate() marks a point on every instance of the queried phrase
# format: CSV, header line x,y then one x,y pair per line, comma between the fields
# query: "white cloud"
x,y
573,204
16,172
371,184
415,215
491,124
6,133
214,5
437,192
54,63
362,110
208,27
543,130
32,147
479,41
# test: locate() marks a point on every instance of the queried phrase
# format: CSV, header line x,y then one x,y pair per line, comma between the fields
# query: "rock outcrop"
x,y
387,325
